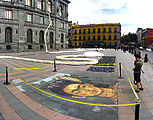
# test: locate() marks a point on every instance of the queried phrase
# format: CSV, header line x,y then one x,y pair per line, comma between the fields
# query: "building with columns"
x,y
23,24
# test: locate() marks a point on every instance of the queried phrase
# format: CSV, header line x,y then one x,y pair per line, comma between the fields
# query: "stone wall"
x,y
20,25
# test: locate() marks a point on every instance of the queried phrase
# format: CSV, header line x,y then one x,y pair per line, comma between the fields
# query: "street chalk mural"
x,y
74,86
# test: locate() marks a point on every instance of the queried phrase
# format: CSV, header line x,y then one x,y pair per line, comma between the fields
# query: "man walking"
x,y
137,72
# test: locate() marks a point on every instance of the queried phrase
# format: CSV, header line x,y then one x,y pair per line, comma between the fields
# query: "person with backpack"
x,y
137,72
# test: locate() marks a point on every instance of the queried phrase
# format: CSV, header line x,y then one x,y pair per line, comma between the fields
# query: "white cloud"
x,y
133,13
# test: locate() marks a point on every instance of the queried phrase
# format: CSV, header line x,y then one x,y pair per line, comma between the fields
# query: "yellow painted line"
x,y
74,101
87,63
109,64
130,84
27,68
75,63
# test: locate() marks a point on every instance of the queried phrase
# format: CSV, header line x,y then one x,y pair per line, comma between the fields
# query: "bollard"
x,y
55,65
120,77
132,51
146,58
135,52
6,83
137,109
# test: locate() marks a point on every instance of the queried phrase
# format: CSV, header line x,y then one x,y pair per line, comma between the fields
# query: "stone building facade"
x,y
23,24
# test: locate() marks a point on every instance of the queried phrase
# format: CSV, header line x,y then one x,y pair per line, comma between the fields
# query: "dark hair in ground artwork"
x,y
58,86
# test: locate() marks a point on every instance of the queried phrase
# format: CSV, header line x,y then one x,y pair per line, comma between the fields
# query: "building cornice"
x,y
97,25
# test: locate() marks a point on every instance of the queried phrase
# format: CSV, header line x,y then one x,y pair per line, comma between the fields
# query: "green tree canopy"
x,y
130,37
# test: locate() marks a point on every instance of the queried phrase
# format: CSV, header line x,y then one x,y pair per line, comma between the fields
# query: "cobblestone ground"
x,y
19,101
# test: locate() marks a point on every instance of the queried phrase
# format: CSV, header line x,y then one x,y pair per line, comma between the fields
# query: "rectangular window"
x,y
62,25
104,37
8,0
88,37
41,20
115,37
88,31
75,32
104,30
110,30
29,17
49,7
79,44
52,22
40,4
75,44
109,37
94,38
80,31
84,31
51,46
8,47
28,2
93,31
8,14
29,46
84,38
41,47
99,30
115,30
99,37
79,37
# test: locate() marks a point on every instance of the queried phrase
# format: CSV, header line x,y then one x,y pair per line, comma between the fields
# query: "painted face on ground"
x,y
82,90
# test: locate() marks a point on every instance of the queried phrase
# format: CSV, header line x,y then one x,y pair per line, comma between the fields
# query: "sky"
x,y
131,14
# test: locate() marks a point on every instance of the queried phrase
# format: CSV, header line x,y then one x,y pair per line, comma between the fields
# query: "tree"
x,y
69,43
130,37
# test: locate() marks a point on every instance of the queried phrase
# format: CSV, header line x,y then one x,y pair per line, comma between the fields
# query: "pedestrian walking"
x,y
137,72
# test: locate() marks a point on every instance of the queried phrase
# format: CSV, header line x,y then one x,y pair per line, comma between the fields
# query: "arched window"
x,y
8,34
49,6
51,37
60,11
41,36
29,36
62,38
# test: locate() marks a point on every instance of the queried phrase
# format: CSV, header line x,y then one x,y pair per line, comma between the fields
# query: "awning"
x,y
92,43
114,43
108,43
103,44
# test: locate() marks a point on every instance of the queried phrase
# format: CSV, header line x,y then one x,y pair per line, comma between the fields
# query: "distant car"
x,y
141,48
148,49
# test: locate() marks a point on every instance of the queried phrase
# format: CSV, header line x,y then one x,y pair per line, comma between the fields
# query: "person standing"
x,y
137,72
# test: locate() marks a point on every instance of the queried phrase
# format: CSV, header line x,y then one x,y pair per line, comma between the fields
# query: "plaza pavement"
x,y
15,105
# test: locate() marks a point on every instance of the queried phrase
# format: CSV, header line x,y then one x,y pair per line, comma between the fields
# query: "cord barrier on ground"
x,y
130,83
85,103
